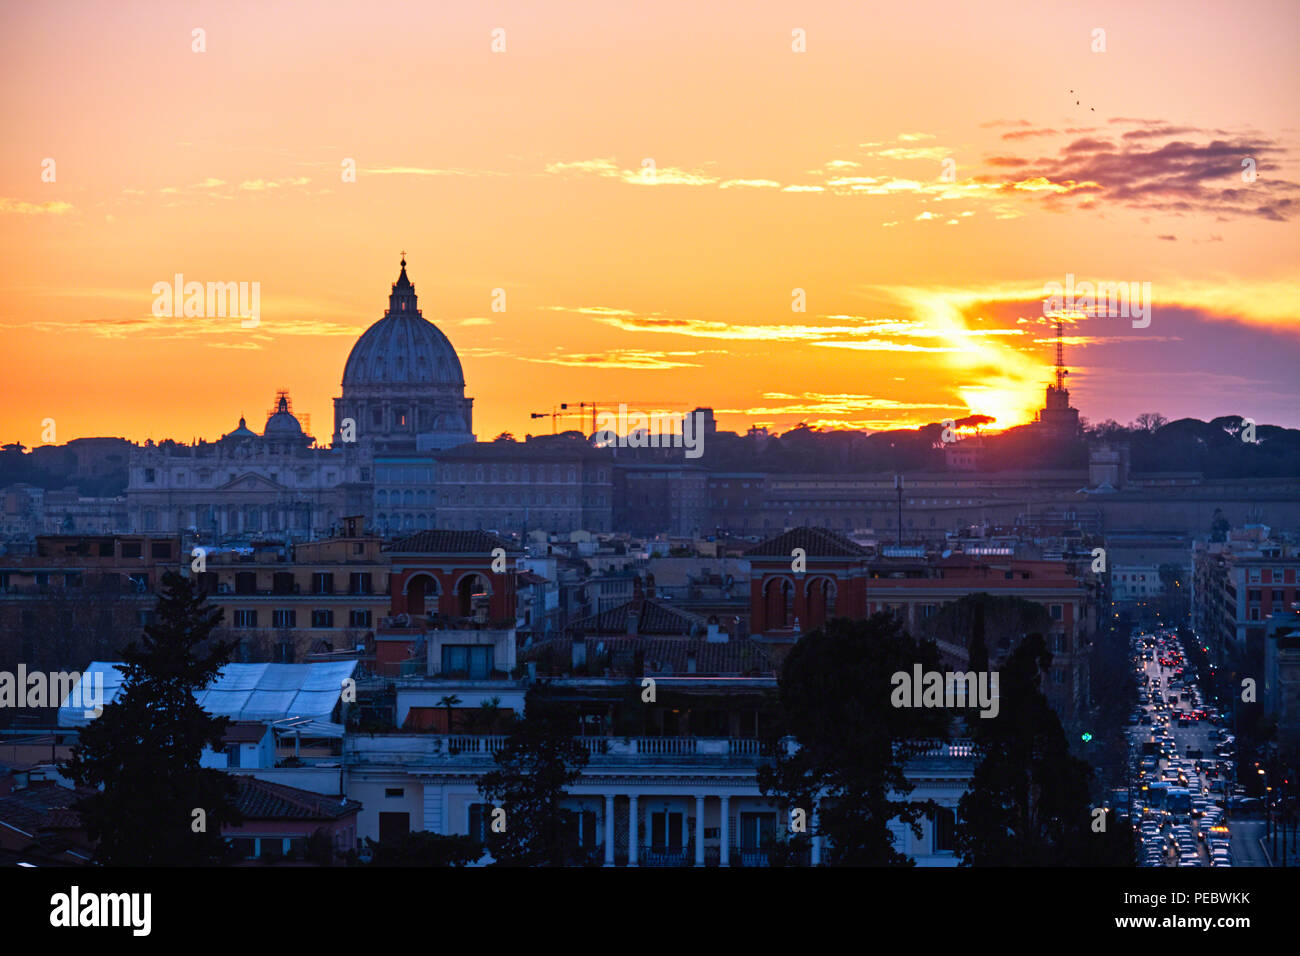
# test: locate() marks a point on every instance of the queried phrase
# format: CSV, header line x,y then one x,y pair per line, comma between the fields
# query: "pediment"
x,y
251,481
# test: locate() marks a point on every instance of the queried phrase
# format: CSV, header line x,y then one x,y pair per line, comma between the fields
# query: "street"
x,y
1181,762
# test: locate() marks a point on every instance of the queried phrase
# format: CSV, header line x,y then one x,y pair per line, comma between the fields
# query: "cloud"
x,y
1198,174
1027,133
644,176
260,185
633,359
20,207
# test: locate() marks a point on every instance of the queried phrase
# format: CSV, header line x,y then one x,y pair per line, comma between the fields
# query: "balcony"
x,y
407,749
613,753
744,856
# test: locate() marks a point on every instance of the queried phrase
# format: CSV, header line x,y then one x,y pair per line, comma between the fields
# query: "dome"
x,y
281,423
240,433
403,348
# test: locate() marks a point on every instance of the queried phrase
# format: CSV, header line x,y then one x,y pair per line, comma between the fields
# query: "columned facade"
x,y
692,810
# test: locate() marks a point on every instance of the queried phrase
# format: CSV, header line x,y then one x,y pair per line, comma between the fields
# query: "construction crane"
x,y
555,413
563,411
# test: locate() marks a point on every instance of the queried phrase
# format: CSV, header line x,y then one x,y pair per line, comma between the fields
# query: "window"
x,y
245,618
322,582
132,549
1058,612
323,618
150,475
480,816
284,618
160,549
943,823
581,827
666,830
757,830
394,792
467,660
359,618
393,826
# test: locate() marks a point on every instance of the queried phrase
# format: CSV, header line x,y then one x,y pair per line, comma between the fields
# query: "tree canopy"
x,y
155,806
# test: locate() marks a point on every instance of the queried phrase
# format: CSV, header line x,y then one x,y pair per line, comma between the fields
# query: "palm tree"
x,y
489,711
449,701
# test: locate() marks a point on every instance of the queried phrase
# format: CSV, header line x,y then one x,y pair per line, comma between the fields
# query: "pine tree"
x,y
835,694
539,759
142,754
1027,804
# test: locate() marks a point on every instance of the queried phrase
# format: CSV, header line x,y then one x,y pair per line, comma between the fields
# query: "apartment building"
x,y
283,602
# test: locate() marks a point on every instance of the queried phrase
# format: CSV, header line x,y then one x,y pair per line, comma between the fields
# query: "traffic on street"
x,y
1182,764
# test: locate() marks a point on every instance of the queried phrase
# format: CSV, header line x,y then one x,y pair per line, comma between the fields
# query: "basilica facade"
x,y
403,393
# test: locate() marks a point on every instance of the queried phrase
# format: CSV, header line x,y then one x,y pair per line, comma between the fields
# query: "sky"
x,y
836,213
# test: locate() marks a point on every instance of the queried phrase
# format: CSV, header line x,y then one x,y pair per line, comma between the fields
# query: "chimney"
x,y
532,670
579,646
649,585
632,620
691,663
716,635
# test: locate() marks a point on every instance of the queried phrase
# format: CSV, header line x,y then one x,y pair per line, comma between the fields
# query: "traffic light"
x,y
1086,737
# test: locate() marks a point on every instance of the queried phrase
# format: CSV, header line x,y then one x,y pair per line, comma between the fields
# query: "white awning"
x,y
265,692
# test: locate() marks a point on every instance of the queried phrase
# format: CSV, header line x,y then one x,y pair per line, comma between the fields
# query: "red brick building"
x,y
793,593
441,579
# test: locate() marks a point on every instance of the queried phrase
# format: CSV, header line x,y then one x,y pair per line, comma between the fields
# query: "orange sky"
x,y
774,170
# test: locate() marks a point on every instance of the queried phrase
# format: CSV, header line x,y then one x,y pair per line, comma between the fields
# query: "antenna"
x,y
1060,358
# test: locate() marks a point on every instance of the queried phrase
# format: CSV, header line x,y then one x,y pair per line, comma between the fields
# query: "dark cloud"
x,y
1151,132
1199,171
1168,238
